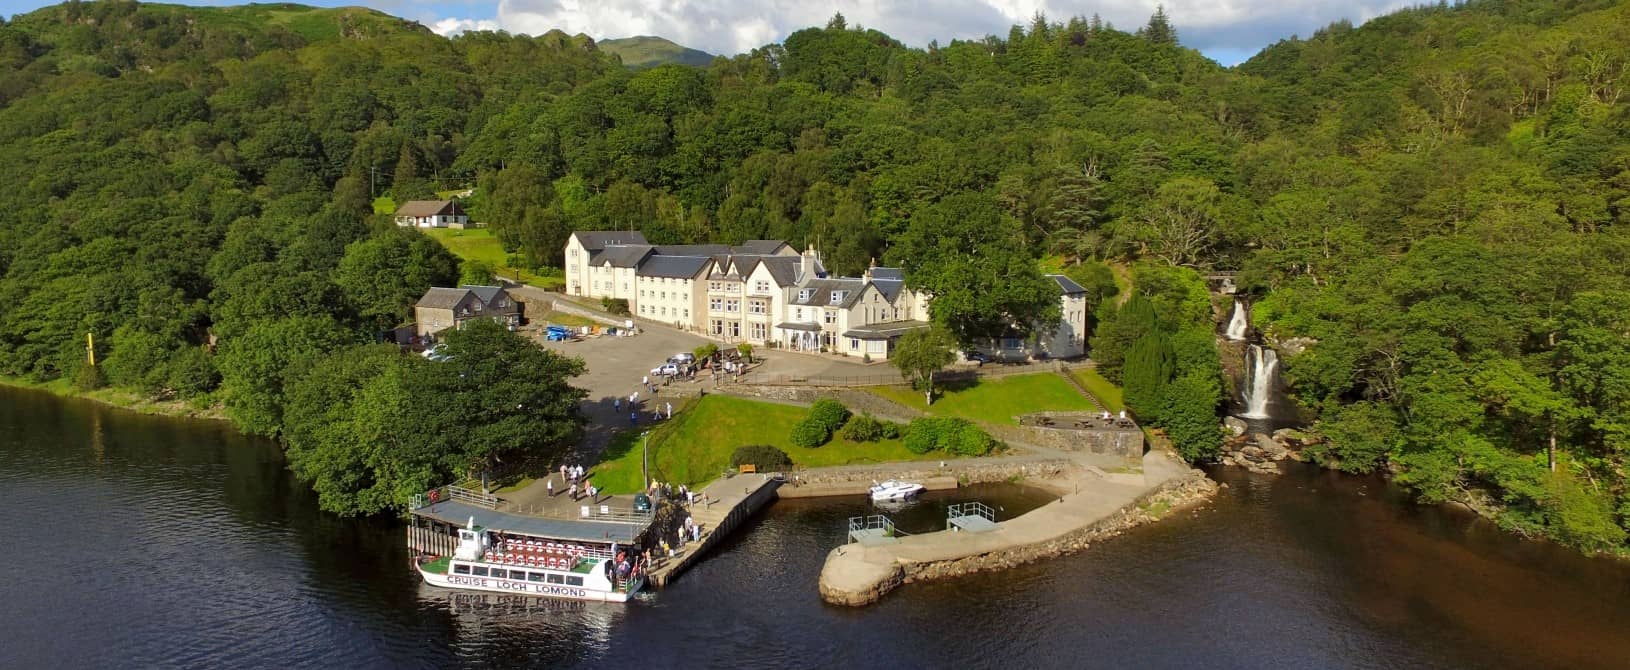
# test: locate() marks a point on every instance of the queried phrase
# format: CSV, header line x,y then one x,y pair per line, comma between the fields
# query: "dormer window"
x,y
805,294
837,297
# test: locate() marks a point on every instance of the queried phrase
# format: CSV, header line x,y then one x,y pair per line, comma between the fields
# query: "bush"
x,y
956,436
969,440
762,456
810,434
891,430
829,413
705,352
864,428
89,378
617,306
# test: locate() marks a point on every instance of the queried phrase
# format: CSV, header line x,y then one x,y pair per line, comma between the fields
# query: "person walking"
x,y
563,472
633,418
550,486
670,410
617,404
573,492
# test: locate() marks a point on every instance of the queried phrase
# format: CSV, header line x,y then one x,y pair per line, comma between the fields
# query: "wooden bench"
x,y
749,468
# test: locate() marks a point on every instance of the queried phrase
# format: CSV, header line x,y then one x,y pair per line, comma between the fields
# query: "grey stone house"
x,y
443,308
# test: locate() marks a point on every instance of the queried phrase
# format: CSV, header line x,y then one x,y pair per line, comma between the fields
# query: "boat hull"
x,y
513,587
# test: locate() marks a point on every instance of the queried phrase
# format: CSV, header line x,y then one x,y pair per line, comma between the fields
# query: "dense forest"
x,y
1431,206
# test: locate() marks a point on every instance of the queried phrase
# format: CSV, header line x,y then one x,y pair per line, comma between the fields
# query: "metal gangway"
x,y
871,530
973,517
454,493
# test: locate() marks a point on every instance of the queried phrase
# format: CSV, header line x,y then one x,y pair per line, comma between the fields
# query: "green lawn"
x,y
995,399
479,244
695,447
1104,389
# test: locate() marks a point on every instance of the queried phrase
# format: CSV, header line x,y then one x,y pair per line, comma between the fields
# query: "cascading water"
x,y
1261,366
1238,324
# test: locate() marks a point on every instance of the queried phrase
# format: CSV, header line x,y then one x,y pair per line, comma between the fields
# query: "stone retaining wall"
x,y
967,471
1127,442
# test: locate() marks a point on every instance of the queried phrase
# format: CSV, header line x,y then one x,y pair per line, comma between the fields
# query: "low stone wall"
x,y
852,479
539,301
859,402
1127,442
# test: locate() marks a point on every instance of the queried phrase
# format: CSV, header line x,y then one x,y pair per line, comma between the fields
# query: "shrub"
x,y
891,430
762,456
829,413
956,436
864,428
746,350
810,434
969,440
705,352
618,306
89,378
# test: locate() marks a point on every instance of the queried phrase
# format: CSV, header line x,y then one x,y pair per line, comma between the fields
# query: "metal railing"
x,y
863,524
454,493
974,508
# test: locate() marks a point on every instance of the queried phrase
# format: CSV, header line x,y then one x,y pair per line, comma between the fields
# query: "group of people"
x,y
1121,419
576,479
657,411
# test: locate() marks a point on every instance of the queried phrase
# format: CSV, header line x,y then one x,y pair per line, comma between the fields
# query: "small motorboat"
x,y
895,490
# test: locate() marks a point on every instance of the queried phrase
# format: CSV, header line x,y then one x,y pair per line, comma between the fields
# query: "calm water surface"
x,y
143,542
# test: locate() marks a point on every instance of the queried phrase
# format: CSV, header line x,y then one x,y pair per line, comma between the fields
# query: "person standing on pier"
x,y
573,491
670,410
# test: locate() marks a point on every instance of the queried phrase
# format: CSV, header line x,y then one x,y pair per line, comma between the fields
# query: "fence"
x,y
455,493
894,378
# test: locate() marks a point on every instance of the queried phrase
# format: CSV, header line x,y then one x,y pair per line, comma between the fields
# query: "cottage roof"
x,y
890,288
595,240
888,273
487,294
442,298
1066,285
678,267
418,208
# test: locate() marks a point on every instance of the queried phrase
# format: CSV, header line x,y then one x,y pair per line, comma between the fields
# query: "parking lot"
x,y
614,367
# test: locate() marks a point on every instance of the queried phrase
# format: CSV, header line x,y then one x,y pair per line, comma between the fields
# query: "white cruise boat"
x,y
895,490
520,564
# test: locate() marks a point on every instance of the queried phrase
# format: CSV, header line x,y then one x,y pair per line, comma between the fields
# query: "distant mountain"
x,y
647,51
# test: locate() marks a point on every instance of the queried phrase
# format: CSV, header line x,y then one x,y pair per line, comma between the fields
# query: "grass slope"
x,y
695,447
1104,389
995,400
646,51
478,244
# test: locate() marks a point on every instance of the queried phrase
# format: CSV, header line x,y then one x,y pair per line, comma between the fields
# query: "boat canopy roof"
x,y
459,514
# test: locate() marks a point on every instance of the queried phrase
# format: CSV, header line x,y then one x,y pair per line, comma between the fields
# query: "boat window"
x,y
574,580
556,579
517,575
461,569
480,571
534,576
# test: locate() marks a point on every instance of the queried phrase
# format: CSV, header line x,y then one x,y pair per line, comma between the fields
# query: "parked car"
x,y
683,358
976,357
642,502
665,370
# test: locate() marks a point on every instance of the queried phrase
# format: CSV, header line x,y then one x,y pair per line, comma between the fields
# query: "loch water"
x,y
146,542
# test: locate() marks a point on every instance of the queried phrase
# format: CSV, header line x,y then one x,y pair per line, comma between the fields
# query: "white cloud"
x,y
736,26
451,27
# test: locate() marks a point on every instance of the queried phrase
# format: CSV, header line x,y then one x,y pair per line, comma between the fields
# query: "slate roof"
x,y
888,273
442,298
621,255
595,240
783,268
1066,285
692,249
487,294
417,208
759,247
885,330
890,288
679,267
822,297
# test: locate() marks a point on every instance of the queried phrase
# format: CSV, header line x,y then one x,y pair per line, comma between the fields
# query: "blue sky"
x,y
1228,31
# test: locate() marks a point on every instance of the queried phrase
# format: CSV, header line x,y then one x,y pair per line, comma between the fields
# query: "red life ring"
x,y
434,494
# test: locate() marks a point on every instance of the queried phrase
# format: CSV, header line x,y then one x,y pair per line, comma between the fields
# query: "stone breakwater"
x,y
857,574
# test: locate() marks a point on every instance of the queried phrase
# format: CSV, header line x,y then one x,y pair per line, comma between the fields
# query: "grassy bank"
x,y
479,244
696,446
1099,387
994,400
203,408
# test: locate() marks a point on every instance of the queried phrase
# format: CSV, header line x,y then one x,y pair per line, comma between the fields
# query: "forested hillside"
x,y
1434,201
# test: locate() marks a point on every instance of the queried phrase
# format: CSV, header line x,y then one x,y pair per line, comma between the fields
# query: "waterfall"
x,y
1261,366
1238,324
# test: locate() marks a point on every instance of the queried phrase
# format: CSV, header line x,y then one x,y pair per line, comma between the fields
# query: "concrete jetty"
x,y
730,502
1093,506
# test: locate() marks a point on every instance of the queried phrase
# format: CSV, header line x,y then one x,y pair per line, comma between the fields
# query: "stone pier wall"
x,y
851,479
